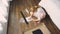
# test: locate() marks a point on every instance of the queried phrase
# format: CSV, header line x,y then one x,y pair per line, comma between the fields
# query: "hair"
x,y
35,8
37,2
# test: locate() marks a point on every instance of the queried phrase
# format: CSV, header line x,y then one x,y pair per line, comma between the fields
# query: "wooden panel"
x,y
13,24
14,27
41,27
50,25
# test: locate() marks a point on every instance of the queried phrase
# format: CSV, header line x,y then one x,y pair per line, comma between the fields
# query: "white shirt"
x,y
39,13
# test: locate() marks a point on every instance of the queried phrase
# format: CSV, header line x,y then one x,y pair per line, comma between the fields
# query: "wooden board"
x,y
42,27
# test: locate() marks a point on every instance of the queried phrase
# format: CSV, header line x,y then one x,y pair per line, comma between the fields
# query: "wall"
x,y
4,9
53,9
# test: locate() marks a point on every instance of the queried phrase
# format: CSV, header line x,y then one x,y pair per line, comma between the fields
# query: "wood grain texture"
x,y
15,27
